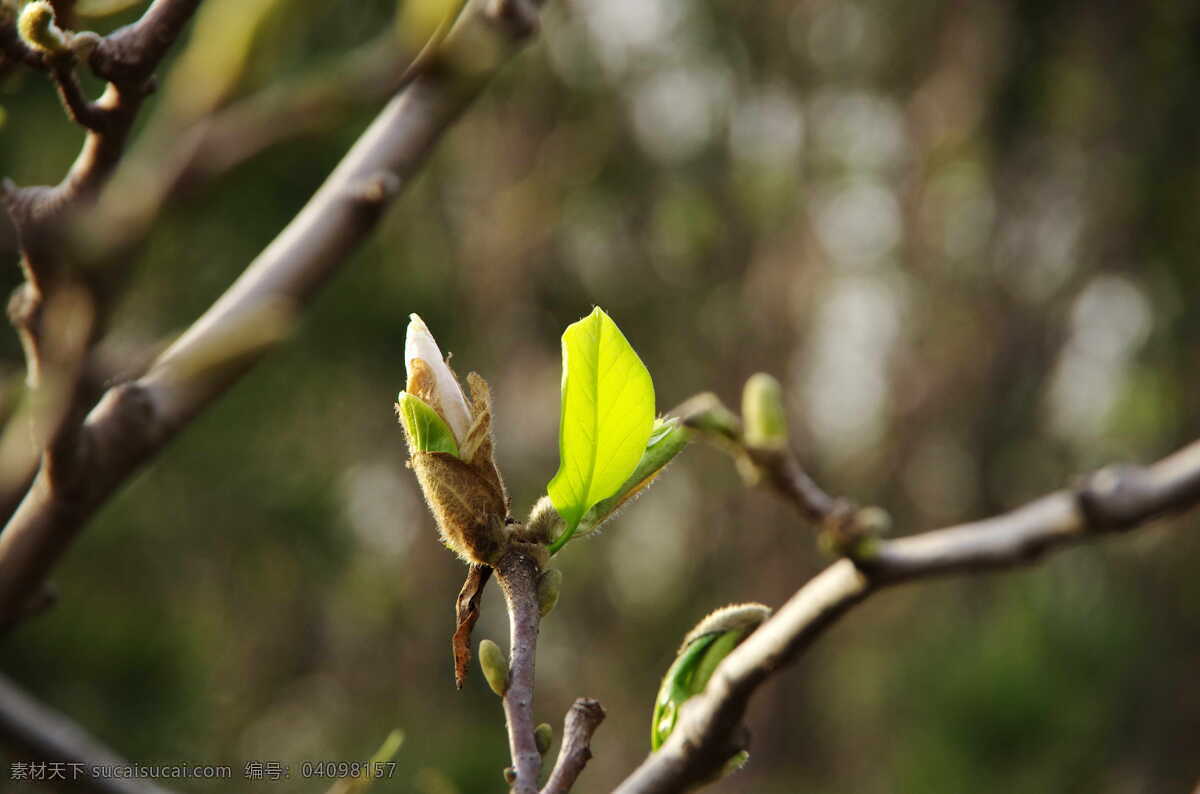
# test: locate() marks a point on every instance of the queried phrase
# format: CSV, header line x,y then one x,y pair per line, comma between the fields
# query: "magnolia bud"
x,y
764,419
452,451
548,587
494,665
543,735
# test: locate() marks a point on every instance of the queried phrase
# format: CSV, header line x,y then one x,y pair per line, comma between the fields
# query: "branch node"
x,y
1116,498
377,189
518,17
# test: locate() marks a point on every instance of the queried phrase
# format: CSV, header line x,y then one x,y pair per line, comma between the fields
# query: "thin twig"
x,y
132,421
1114,499
48,737
584,716
517,575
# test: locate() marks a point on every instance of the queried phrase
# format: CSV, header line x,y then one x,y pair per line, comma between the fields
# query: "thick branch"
x,y
584,716
134,420
129,55
1113,499
40,734
517,574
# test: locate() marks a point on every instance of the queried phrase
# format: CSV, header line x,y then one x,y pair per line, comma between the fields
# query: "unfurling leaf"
x,y
607,416
425,430
667,439
704,647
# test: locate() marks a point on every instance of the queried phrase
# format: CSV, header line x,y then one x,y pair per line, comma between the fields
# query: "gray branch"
x,y
517,574
132,421
49,737
584,716
1114,499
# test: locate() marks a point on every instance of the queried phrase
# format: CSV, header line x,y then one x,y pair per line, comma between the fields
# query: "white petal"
x,y
419,343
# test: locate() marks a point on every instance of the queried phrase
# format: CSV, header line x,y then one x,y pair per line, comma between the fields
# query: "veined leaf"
x,y
607,415
426,431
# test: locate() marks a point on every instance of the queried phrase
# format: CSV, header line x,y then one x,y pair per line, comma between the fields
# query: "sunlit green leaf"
x,y
607,415
427,432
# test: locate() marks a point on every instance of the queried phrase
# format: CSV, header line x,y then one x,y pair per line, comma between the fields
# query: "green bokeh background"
x,y
962,234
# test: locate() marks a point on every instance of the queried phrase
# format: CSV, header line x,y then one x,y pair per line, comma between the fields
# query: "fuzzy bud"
x,y
764,419
494,665
548,587
543,735
544,523
37,28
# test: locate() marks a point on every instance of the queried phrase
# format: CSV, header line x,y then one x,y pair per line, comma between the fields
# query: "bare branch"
x,y
134,420
517,574
1114,499
129,55
584,716
45,735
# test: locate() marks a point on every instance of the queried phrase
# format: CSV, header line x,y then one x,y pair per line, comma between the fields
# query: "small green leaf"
x,y
427,432
607,415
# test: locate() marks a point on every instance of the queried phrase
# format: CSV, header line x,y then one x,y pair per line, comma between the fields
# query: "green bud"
x,y
548,587
543,735
703,649
510,775
37,29
763,414
495,666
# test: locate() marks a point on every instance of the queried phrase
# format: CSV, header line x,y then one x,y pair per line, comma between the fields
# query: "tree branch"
x,y
584,716
1114,499
47,736
517,574
127,57
132,421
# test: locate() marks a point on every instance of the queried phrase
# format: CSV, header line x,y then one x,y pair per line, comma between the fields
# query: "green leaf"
x,y
607,415
667,439
426,430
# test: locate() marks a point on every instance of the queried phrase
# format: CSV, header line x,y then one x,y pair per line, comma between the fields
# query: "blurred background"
x,y
962,234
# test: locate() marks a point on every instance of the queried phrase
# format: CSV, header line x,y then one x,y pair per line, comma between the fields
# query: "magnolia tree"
x,y
83,431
